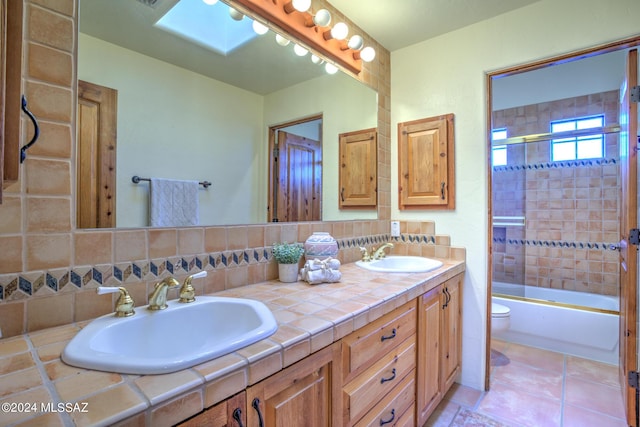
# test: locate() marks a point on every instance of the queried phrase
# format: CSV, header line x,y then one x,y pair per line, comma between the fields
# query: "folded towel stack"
x,y
321,271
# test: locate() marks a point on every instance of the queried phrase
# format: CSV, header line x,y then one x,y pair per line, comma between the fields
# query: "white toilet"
x,y
500,317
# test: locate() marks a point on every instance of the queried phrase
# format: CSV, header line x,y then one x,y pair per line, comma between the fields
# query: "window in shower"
x,y
498,152
590,146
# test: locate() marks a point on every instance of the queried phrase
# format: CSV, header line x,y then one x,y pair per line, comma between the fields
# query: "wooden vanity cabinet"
x,y
300,395
228,413
378,369
393,371
439,343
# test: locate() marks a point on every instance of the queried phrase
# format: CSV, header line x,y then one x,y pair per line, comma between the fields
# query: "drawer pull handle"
x,y
390,420
388,337
256,406
237,415
391,378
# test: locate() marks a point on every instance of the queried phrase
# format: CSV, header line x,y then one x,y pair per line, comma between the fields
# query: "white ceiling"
x,y
400,23
263,66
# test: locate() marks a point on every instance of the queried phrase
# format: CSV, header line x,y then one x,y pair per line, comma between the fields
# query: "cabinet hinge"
x,y
634,94
634,236
634,379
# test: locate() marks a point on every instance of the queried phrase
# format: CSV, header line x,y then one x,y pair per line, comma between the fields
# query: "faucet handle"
x,y
124,304
187,292
365,254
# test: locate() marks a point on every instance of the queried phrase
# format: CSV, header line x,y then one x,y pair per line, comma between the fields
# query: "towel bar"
x,y
136,179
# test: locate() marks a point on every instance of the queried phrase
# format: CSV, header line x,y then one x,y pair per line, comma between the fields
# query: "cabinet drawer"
x,y
392,408
369,387
368,344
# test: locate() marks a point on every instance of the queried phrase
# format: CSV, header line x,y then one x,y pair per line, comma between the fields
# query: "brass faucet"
x,y
365,254
158,298
124,304
379,253
187,292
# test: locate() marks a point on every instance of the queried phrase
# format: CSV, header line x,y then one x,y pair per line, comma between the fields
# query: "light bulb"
x,y
281,40
330,68
316,59
210,2
340,31
237,16
322,18
355,42
259,28
301,5
368,54
299,50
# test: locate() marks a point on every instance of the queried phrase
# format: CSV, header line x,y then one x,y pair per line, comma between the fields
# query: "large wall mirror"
x,y
186,110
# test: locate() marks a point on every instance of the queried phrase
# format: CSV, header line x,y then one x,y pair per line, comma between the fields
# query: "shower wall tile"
x,y
567,205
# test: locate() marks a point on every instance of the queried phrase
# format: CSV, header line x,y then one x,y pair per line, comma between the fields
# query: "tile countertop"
x,y
37,388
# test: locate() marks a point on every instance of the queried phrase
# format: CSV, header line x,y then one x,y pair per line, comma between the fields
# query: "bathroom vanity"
x,y
395,370
373,348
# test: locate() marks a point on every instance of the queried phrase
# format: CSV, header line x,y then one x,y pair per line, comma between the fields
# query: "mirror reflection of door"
x,y
96,169
295,168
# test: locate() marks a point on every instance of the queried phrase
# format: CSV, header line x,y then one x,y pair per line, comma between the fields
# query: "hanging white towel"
x,y
173,203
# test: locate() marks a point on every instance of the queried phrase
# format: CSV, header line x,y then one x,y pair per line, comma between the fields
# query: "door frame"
x,y
580,54
273,132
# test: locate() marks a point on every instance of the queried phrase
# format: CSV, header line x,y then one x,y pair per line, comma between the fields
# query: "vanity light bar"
x,y
295,24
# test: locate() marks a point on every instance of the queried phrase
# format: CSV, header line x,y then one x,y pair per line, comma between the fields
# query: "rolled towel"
x,y
316,264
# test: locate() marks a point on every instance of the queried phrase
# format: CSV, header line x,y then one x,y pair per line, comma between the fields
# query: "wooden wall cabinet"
x,y
426,163
10,90
358,169
439,345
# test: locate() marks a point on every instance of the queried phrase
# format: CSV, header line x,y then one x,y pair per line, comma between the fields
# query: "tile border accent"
x,y
26,285
556,165
557,244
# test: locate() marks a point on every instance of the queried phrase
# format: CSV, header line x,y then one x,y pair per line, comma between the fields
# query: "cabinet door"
x,y
228,413
428,390
451,332
426,163
358,169
297,396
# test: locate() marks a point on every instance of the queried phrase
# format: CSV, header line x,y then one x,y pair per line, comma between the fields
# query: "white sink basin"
x,y
181,336
401,264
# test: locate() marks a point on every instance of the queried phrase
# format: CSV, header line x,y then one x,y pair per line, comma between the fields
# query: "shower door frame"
x,y
593,51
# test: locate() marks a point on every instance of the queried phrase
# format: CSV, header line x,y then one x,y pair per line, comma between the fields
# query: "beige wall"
x,y
49,270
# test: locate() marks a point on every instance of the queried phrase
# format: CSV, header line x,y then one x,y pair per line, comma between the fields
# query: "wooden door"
x,y
451,337
428,389
628,220
299,178
10,91
297,396
358,169
96,153
426,160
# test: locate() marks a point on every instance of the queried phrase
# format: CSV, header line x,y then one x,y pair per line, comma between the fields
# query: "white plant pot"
x,y
288,273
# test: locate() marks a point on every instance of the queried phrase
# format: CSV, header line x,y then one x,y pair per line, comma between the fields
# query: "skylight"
x,y
208,26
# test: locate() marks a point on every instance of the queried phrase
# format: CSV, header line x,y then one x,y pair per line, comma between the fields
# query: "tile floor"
x,y
536,388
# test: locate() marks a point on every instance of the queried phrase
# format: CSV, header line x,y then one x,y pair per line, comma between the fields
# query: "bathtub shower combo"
x,y
555,280
577,323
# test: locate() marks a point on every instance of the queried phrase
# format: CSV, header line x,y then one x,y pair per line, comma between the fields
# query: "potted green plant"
x,y
288,255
